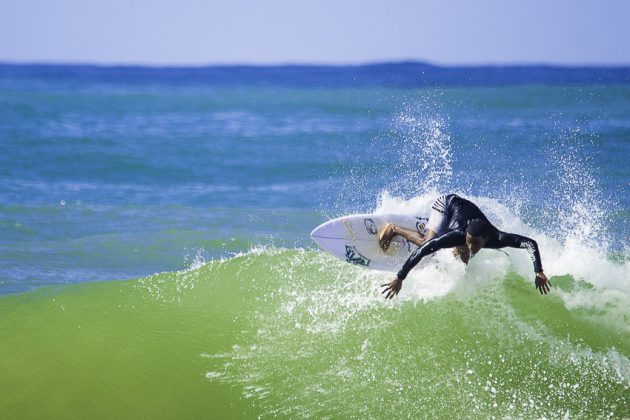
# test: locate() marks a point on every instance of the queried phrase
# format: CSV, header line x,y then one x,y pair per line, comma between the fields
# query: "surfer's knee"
x,y
390,230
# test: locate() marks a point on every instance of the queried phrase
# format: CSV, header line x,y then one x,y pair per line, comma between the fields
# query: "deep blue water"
x,y
111,173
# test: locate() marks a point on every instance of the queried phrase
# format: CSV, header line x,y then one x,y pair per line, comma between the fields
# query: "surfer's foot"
x,y
386,236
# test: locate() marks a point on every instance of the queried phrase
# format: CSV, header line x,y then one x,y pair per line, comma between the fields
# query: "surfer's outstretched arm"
x,y
448,240
513,240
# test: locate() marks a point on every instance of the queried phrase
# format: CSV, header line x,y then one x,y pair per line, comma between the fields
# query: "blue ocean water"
x,y
197,188
111,173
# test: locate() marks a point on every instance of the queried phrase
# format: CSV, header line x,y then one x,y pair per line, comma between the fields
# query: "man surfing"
x,y
455,222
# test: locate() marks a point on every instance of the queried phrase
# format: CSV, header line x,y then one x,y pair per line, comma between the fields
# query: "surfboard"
x,y
354,239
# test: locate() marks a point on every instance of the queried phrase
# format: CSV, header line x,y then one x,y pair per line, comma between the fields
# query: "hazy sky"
x,y
293,31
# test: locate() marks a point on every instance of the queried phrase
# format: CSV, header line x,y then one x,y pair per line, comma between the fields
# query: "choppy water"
x,y
214,179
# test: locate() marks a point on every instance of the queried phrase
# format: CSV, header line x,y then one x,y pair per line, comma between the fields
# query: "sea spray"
x,y
576,207
414,155
421,146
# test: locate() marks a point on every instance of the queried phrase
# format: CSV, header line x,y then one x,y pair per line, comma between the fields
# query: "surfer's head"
x,y
476,235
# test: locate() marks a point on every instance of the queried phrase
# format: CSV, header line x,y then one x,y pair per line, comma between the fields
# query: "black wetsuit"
x,y
459,212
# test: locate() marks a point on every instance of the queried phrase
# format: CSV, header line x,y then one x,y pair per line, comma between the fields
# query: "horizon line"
x,y
313,64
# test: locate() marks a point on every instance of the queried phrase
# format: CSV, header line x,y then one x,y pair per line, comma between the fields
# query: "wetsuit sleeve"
x,y
513,240
448,240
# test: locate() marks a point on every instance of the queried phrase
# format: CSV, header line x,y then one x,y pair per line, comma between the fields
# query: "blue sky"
x,y
194,32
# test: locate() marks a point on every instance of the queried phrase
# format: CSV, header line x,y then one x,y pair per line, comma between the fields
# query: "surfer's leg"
x,y
438,219
391,230
411,235
386,236
436,225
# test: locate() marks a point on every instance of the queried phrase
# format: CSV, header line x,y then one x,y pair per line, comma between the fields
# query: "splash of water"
x,y
576,201
424,149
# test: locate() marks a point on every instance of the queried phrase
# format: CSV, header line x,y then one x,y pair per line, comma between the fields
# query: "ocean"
x,y
156,259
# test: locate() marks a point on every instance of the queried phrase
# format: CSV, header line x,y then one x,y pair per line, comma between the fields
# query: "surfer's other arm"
x,y
513,240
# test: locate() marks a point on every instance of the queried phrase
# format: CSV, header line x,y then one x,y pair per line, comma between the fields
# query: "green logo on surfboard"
x,y
354,257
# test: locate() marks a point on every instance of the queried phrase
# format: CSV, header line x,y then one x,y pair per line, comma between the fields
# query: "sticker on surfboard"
x,y
354,257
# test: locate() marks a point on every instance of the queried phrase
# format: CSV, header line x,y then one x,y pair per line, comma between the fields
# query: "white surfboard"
x,y
354,239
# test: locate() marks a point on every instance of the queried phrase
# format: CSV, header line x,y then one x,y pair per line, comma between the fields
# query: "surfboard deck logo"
x,y
370,226
346,225
405,244
421,225
354,257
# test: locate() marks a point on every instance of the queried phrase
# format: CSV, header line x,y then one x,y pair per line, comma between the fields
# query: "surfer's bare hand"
x,y
392,288
542,283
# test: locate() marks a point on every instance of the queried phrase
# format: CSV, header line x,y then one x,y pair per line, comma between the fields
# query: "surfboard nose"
x,y
319,233
314,233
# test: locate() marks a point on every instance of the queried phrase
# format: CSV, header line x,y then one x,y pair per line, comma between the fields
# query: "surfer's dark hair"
x,y
478,227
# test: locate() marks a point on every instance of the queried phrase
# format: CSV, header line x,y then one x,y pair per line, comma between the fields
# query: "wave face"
x,y
297,333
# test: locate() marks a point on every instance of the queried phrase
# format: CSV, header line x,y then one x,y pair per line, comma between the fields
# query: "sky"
x,y
196,32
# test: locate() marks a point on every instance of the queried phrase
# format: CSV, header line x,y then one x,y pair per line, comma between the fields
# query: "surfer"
x,y
455,222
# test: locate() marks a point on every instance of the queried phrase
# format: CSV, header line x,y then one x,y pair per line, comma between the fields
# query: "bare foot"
x,y
386,236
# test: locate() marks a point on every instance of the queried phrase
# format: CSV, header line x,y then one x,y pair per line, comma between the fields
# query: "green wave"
x,y
294,333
